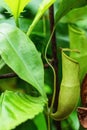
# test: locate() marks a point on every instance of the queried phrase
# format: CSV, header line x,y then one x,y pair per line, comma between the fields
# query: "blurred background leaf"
x,y
66,6
78,40
16,7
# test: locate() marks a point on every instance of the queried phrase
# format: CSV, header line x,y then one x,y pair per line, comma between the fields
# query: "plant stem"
x,y
54,51
31,27
17,14
53,98
8,75
48,117
17,22
54,93
55,59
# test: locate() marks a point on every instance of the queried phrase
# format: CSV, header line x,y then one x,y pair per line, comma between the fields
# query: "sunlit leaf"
x,y
17,6
78,40
20,54
16,108
41,10
68,5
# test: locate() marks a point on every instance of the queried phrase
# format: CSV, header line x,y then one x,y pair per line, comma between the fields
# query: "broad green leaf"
x,y
41,10
20,54
16,108
17,6
78,40
68,5
75,15
2,63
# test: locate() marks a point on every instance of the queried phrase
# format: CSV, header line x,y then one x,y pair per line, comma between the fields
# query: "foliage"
x,y
24,48
16,7
13,114
20,49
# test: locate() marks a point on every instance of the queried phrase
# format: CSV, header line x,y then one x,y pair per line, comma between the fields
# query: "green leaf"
x,y
41,10
28,125
20,54
39,120
71,123
75,15
78,40
17,6
2,63
68,5
16,108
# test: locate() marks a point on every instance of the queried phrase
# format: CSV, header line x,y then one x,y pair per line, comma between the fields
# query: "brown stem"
x,y
82,111
84,91
8,75
54,55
